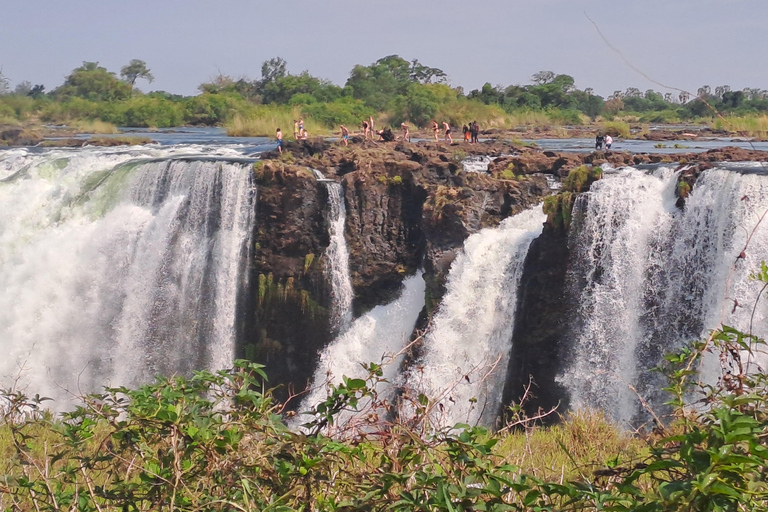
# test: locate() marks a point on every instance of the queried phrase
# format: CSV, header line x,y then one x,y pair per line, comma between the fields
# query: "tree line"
x,y
392,88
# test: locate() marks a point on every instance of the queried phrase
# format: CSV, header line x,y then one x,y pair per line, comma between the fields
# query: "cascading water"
x,y
115,269
379,336
466,352
648,276
337,254
616,225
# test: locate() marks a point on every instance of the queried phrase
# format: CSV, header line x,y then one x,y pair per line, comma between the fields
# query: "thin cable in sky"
x,y
627,62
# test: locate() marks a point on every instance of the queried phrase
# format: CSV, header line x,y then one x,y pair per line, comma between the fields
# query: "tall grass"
x,y
94,126
264,120
751,126
584,441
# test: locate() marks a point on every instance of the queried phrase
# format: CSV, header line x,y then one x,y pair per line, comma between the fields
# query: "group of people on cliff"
x,y
470,132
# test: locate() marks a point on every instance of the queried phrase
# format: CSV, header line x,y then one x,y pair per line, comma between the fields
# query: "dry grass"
x,y
263,122
93,126
750,126
585,441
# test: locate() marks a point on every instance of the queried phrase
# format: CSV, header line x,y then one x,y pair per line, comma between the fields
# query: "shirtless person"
x,y
279,136
406,132
302,131
435,128
365,130
344,135
447,129
370,126
295,129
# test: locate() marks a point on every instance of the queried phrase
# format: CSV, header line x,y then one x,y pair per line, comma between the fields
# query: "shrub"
x,y
581,178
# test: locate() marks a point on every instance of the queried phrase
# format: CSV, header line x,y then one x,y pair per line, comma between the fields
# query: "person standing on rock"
x,y
447,129
599,139
608,142
465,131
302,131
435,129
344,135
279,136
365,130
406,132
474,132
370,126
295,130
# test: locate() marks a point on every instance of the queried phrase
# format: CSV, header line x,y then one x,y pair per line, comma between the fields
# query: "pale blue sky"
x,y
682,43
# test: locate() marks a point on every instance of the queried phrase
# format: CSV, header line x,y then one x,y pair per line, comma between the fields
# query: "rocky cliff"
x,y
409,206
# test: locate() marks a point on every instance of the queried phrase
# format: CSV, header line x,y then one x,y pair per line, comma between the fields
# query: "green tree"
x,y
93,82
134,70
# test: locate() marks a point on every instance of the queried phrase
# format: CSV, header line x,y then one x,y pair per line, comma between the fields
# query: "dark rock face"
x,y
541,324
409,206
287,319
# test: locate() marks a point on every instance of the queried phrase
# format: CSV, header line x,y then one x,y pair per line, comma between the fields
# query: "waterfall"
x,y
648,277
337,254
466,351
115,269
378,336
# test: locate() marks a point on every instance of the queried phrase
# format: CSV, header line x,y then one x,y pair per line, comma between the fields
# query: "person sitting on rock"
x,y
447,129
435,128
406,132
386,135
599,139
279,136
344,135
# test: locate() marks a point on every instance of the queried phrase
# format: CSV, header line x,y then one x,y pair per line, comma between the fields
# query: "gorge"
x,y
117,264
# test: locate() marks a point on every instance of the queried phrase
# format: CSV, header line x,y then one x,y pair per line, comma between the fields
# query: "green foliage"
x,y
93,82
134,70
559,209
216,441
581,178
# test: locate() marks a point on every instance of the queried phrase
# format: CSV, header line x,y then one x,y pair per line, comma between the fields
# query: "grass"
x,y
94,126
615,128
751,126
585,441
264,120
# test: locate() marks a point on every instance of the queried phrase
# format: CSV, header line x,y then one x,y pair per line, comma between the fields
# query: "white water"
x,y
115,269
649,276
337,255
379,337
467,349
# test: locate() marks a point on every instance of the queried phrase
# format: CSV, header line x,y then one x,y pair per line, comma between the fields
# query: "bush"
x,y
581,178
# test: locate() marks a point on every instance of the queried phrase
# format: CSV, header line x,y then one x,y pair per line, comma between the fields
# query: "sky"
x,y
682,44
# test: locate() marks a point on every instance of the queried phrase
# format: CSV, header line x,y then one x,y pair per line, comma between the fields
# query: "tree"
x,y
684,96
37,91
4,88
543,77
93,82
722,89
23,88
273,69
134,70
425,74
703,91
